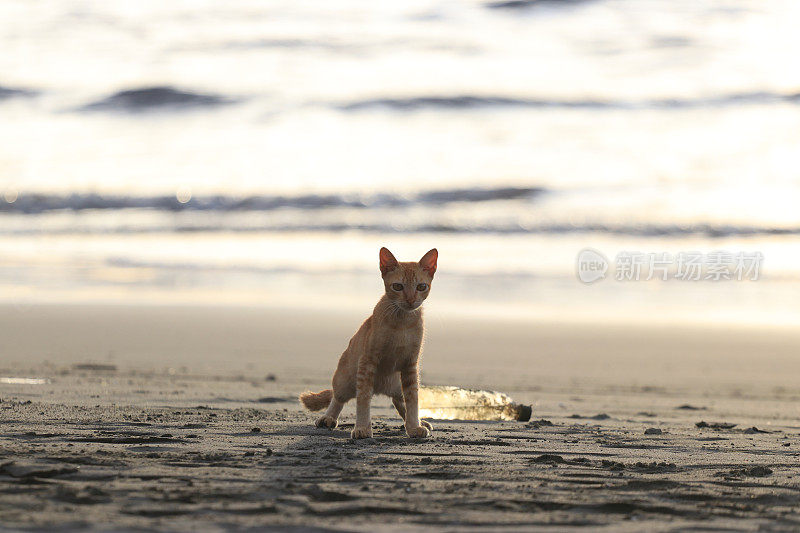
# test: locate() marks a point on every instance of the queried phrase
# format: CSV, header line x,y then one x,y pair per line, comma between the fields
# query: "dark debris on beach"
x,y
135,467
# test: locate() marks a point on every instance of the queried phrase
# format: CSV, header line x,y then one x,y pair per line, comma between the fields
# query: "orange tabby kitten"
x,y
383,355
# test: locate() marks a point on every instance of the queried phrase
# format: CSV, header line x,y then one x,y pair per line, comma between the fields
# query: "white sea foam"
x,y
23,381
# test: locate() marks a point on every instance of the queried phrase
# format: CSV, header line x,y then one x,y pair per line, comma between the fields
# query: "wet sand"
x,y
170,418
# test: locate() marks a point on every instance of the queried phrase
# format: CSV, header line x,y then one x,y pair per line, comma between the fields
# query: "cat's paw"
x,y
418,432
326,422
361,433
425,424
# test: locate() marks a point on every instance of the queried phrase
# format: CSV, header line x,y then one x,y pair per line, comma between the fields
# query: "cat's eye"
x,y
422,287
397,287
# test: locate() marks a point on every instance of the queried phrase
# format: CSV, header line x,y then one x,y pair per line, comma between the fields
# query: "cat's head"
x,y
408,284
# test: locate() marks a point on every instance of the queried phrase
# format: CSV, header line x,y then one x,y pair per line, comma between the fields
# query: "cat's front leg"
x,y
365,384
410,381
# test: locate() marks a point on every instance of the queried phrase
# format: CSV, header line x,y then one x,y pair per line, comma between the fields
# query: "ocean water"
x,y
261,152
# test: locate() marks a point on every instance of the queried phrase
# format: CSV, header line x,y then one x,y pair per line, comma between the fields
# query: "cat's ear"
x,y
428,261
387,260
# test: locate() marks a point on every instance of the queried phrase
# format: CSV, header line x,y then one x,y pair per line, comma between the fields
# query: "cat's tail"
x,y
316,401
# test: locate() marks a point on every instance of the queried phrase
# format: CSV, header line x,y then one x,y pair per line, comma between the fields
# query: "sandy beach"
x,y
179,418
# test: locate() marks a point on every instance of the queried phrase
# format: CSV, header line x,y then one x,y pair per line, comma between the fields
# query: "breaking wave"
x,y
461,102
155,98
40,203
12,92
202,225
